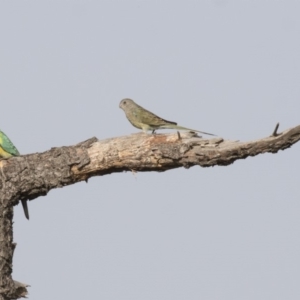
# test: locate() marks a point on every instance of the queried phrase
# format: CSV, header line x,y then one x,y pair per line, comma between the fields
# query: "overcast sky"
x,y
227,67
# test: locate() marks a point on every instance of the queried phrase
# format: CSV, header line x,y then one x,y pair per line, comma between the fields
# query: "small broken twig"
x,y
275,130
179,136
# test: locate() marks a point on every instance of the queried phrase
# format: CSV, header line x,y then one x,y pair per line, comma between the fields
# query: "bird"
x,y
7,150
143,119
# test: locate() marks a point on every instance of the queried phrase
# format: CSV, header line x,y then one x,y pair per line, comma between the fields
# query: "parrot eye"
x,y
124,102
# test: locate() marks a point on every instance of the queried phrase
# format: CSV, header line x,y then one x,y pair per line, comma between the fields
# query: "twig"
x,y
275,130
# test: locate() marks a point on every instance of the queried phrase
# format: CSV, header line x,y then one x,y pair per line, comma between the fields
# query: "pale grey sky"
x,y
226,67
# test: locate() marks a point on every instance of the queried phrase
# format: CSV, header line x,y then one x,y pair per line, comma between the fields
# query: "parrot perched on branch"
x,y
143,119
7,150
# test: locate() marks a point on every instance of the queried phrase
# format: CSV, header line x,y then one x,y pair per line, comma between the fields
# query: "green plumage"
x,y
143,119
7,150
7,146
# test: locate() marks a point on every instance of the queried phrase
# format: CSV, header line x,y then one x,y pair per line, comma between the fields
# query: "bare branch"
x,y
33,175
30,176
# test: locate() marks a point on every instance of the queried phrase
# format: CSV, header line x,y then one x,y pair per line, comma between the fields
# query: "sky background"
x,y
227,67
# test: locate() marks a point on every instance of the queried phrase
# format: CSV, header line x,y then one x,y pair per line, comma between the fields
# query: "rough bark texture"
x,y
33,175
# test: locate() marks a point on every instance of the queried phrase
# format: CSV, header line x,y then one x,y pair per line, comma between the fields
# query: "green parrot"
x,y
7,149
143,119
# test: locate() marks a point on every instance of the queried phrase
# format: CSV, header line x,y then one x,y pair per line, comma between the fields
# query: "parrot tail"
x,y
25,208
171,126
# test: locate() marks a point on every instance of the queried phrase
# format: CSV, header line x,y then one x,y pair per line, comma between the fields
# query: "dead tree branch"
x,y
34,175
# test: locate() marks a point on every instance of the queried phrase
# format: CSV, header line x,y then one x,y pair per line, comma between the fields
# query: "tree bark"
x,y
34,175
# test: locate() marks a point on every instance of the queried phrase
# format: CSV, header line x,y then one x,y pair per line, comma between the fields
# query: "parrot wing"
x,y
149,118
7,145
